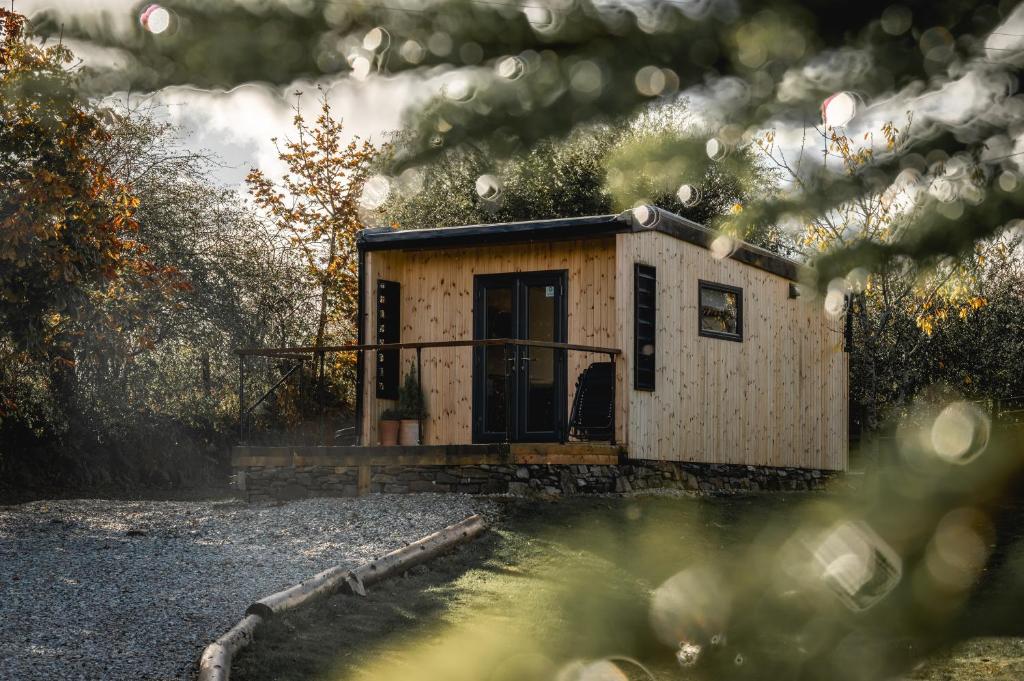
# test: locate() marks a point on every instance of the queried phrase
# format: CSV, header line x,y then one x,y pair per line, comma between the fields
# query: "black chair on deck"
x,y
593,407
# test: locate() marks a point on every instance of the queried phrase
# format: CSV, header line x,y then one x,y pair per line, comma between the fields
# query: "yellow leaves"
x,y
891,134
736,208
924,322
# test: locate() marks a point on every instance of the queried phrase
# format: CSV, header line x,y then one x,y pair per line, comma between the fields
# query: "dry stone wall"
x,y
295,482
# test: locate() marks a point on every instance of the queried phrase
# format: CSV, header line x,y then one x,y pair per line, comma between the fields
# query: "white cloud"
x,y
238,125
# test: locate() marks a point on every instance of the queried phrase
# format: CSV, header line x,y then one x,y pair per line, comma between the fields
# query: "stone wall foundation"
x,y
296,482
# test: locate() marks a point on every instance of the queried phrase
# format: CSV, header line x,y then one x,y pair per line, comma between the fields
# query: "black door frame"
x,y
515,414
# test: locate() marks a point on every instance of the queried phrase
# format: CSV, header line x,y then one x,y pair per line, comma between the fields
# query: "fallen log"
x,y
400,560
430,546
215,663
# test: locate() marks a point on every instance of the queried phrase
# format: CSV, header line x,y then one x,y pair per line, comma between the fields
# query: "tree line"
x,y
128,276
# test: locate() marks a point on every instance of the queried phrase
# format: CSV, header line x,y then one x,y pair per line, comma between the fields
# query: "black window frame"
x,y
645,375
388,297
703,284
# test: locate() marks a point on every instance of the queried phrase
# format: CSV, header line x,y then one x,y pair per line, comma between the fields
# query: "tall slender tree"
x,y
315,207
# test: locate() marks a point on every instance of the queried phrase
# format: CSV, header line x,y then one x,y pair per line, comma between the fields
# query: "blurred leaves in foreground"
x,y
856,585
511,75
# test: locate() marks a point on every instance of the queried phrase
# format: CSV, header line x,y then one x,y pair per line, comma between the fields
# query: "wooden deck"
x,y
590,453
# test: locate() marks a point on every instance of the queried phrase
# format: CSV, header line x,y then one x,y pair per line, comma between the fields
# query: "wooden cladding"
x,y
437,304
779,398
389,330
644,324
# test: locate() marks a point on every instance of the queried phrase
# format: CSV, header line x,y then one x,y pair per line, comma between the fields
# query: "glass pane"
x,y
718,310
540,377
498,323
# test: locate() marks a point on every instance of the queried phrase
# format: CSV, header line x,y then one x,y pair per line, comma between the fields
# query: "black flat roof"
x,y
569,229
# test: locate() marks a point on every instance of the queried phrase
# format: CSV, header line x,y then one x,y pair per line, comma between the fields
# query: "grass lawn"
x,y
552,583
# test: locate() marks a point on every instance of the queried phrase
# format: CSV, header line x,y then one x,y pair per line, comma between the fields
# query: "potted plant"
x,y
411,410
387,427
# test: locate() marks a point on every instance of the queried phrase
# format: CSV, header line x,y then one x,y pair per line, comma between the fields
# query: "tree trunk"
x,y
204,360
63,378
321,327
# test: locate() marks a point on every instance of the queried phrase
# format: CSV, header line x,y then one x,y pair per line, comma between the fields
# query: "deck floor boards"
x,y
601,453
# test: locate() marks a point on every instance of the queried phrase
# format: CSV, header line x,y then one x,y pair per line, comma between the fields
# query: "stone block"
x,y
494,486
518,488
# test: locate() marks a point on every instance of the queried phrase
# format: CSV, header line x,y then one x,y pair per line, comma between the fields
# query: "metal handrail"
x,y
312,352
274,387
481,342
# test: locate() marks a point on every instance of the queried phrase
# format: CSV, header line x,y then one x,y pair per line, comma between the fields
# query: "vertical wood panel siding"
x,y
778,398
437,304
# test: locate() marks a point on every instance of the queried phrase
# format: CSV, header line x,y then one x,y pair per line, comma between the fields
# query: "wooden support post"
x,y
508,411
419,389
615,378
562,424
363,480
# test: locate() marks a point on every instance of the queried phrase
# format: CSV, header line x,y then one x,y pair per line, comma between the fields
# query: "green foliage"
x,y
410,398
594,171
71,264
127,280
314,209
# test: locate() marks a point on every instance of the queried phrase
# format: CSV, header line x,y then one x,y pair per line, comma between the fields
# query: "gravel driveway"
x,y
135,589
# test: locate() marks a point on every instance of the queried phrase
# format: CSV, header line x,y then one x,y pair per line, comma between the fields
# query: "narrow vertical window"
x,y
720,310
389,329
644,323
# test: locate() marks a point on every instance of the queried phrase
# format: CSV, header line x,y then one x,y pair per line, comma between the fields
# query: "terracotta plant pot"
x,y
409,432
387,432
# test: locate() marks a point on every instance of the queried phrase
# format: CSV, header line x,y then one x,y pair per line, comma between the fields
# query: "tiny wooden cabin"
x,y
715,359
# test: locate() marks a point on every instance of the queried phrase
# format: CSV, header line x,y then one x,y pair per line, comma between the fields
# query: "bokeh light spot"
x,y
960,432
375,192
839,109
155,19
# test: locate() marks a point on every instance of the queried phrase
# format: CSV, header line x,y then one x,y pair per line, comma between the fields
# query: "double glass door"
x,y
519,391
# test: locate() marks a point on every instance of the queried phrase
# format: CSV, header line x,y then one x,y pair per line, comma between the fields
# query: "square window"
x,y
720,310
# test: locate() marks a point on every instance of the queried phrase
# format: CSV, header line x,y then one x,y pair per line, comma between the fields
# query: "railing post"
x,y
322,389
241,399
563,424
615,381
419,389
508,413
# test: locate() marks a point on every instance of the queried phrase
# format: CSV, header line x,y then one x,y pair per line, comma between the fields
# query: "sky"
x,y
237,126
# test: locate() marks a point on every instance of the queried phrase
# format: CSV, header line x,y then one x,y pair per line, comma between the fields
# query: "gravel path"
x,y
135,589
